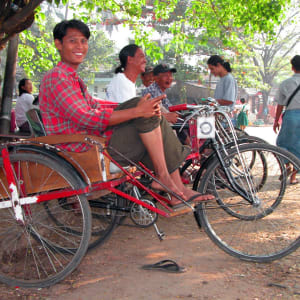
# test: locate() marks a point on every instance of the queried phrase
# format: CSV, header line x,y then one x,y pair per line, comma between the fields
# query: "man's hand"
x,y
171,117
148,107
276,126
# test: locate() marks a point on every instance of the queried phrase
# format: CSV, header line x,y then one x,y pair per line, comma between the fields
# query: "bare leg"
x,y
293,179
154,145
188,192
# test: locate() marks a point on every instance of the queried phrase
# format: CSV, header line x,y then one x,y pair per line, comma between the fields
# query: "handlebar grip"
x,y
178,107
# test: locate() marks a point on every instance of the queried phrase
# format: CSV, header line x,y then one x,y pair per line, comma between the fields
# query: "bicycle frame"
x,y
16,201
218,144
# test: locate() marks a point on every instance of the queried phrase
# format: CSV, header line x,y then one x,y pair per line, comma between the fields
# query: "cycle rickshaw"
x,y
54,205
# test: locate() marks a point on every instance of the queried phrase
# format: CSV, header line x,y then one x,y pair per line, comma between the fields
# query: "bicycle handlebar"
x,y
184,106
178,107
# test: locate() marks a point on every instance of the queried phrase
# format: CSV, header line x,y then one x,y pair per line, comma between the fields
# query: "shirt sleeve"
x,y
229,89
69,103
28,99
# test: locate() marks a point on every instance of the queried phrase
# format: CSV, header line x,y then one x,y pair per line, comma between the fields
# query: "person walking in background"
x,y
147,77
226,89
288,96
133,63
242,117
24,103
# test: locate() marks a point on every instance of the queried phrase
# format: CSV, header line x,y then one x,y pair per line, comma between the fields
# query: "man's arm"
x,y
146,108
276,125
170,116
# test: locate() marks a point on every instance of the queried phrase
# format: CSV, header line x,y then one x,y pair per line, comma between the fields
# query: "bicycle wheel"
x,y
104,219
264,231
191,171
38,252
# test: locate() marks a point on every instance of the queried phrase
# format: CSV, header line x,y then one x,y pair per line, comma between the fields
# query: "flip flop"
x,y
294,182
167,265
191,199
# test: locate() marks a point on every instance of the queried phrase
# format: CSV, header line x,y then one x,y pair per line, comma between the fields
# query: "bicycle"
x,y
38,181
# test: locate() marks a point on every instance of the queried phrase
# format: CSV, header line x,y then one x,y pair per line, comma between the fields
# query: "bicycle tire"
x,y
274,232
102,223
191,172
38,253
104,220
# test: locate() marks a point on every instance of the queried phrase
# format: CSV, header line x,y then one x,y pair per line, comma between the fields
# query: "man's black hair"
x,y
128,50
60,29
296,62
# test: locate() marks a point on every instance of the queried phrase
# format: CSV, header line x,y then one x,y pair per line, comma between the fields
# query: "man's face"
x,y
147,79
138,60
164,80
215,70
73,48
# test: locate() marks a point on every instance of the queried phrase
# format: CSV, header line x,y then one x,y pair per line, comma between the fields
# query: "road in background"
x,y
264,132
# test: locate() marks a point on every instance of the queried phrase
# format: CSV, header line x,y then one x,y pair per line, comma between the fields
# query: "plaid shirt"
x,y
155,91
67,107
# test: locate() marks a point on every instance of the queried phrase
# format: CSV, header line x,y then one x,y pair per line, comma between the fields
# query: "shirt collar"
x,y
67,69
157,87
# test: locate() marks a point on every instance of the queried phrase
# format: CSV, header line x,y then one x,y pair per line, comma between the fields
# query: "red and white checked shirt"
x,y
65,110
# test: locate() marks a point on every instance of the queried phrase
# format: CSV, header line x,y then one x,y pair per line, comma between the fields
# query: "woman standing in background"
x,y
24,103
226,89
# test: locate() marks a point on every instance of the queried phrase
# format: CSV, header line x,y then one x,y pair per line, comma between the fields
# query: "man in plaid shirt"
x,y
141,133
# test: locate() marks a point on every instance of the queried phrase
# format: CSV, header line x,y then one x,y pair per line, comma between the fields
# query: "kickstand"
x,y
160,234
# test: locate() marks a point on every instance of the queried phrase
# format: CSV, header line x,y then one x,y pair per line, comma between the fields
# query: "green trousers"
x,y
126,139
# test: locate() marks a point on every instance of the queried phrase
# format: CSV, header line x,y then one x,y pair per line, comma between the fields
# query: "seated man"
x,y
141,134
163,78
147,77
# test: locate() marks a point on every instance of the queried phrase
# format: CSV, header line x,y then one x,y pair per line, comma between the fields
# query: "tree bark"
x,y
8,84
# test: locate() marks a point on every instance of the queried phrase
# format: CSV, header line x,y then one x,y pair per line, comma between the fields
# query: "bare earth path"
x,y
113,271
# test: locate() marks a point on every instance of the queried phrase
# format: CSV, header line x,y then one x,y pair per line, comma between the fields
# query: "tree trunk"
x,y
8,84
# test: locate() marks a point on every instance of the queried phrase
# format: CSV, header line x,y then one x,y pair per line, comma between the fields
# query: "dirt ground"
x,y
113,270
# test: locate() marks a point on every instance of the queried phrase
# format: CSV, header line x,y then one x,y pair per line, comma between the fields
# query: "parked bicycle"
x,y
47,194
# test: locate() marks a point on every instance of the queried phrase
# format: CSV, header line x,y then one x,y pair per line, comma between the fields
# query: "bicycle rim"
x,y
39,253
263,232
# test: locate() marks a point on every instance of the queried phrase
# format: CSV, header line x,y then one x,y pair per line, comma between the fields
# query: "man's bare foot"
x,y
168,182
197,196
191,196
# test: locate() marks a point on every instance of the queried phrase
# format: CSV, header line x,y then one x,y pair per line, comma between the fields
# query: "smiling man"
x,y
132,64
163,78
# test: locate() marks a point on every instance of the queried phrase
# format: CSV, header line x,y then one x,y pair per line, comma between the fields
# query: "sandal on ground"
x,y
294,182
191,199
289,171
167,265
